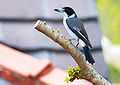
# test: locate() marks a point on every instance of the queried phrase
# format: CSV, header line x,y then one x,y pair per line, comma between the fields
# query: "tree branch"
x,y
87,71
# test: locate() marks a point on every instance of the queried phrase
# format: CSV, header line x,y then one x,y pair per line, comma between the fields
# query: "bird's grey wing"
x,y
76,25
82,30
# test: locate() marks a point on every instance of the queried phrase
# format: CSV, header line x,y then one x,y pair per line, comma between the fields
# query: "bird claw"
x,y
77,41
77,45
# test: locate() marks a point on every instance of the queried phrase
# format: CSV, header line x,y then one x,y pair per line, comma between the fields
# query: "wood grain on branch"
x,y
87,71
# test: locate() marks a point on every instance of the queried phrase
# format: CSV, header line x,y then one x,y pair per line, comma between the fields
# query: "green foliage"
x,y
109,13
114,73
73,73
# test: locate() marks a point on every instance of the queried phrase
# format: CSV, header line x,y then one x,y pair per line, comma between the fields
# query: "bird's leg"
x,y
75,40
77,43
72,40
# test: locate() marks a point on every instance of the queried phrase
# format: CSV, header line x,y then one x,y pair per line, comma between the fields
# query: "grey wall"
x,y
33,8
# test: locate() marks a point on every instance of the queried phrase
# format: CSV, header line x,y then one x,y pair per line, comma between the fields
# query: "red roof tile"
x,y
25,65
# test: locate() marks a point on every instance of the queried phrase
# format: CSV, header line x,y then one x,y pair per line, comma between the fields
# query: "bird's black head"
x,y
67,10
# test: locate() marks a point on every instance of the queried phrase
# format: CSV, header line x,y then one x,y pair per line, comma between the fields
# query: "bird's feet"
x,y
73,39
77,43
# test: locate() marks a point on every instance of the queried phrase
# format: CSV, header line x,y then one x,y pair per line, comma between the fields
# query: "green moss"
x,y
73,73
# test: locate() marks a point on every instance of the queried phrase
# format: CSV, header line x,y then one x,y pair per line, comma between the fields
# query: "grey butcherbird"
x,y
76,30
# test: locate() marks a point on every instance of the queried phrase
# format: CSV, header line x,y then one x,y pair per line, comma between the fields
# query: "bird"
x,y
76,30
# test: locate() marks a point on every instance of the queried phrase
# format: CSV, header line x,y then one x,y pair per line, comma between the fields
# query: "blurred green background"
x,y
109,12
109,15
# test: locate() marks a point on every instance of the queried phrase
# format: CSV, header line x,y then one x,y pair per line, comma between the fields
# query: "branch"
x,y
87,71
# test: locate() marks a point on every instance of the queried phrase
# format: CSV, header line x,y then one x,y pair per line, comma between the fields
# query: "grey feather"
x,y
78,28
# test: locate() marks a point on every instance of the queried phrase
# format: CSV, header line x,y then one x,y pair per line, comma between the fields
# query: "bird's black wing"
x,y
78,28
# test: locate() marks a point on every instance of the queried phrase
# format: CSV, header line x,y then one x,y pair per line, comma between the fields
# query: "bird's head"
x,y
66,12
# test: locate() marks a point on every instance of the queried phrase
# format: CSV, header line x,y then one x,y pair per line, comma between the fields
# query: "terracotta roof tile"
x,y
25,65
21,63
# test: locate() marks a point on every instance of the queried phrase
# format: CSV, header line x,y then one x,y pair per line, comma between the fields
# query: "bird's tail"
x,y
88,55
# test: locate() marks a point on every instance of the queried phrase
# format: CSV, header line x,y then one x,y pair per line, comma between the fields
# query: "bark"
x,y
87,71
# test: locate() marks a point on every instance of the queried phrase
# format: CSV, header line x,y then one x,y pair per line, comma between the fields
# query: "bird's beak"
x,y
59,10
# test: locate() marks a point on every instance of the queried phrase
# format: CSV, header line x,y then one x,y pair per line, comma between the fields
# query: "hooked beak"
x,y
59,10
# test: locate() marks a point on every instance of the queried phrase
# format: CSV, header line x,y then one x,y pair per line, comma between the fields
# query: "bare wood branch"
x,y
88,72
